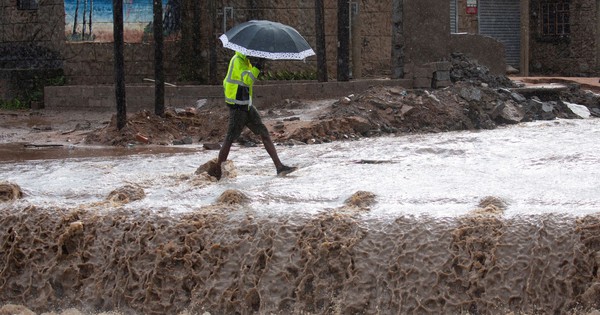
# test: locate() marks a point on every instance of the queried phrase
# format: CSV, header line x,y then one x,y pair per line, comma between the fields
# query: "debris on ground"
x,y
10,191
474,100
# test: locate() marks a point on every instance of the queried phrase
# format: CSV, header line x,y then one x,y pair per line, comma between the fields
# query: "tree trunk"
x,y
320,33
119,63
343,21
159,74
90,20
83,20
75,18
397,40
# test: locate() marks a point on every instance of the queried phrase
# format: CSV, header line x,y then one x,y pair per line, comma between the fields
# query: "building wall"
x,y
41,34
27,43
575,54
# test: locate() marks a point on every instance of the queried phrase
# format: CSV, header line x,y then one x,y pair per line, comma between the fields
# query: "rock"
x,y
495,109
547,111
345,100
578,110
126,194
295,142
518,97
212,146
361,199
10,191
538,110
228,169
233,197
511,113
405,109
471,94
186,140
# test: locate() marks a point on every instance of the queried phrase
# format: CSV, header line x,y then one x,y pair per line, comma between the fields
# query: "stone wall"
x,y
102,97
29,55
486,50
426,31
575,54
426,27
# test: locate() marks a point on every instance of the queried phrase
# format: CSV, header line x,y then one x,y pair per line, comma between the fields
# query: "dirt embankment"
x,y
475,100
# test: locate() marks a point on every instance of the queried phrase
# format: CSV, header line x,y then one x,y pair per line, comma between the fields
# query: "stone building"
x,y
38,47
541,37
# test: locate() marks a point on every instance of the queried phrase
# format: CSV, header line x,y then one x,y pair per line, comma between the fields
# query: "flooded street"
x,y
299,246
539,167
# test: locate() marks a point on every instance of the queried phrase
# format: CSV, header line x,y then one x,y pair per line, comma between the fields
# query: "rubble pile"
x,y
470,71
456,95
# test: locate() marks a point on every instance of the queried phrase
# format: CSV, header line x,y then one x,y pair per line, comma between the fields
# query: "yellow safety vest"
x,y
239,80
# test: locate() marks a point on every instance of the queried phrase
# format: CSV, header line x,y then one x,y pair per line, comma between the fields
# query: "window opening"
x,y
27,4
555,18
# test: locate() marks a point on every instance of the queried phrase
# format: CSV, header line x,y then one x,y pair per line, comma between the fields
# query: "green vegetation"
x,y
13,104
34,92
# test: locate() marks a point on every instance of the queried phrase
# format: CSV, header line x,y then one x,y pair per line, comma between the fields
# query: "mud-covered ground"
x,y
377,111
475,100
225,259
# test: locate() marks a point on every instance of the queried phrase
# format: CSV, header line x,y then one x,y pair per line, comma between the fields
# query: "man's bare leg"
x,y
223,154
270,147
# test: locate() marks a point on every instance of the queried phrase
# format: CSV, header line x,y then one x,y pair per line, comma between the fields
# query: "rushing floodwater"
x,y
540,167
297,247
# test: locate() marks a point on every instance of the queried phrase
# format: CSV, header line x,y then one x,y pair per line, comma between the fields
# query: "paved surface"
x,y
586,83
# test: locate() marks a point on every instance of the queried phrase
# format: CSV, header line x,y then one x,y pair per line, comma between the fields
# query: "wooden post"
x,y
159,74
343,51
525,27
119,63
320,34
356,45
397,40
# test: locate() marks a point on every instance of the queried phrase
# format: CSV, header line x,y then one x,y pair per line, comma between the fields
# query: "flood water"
x,y
297,246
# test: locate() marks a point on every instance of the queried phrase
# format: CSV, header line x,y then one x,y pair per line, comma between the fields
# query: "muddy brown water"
x,y
16,152
235,257
229,259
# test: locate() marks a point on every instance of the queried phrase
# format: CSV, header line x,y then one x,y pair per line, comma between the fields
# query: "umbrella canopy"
x,y
267,39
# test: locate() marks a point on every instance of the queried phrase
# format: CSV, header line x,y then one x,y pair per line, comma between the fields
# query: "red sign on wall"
x,y
471,6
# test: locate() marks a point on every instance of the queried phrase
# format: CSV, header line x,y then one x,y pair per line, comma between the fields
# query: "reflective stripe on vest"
x,y
231,85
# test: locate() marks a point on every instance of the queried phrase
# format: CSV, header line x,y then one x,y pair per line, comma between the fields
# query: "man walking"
x,y
237,85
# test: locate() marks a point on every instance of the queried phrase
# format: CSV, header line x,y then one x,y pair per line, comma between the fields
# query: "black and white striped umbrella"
x,y
267,39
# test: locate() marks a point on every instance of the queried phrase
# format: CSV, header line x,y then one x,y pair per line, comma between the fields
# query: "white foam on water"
x,y
537,168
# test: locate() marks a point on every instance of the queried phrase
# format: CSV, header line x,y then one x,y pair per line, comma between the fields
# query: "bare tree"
x,y
83,20
320,33
75,18
90,19
119,63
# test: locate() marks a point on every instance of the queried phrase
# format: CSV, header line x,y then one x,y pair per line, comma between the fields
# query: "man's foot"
x,y
215,171
284,170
